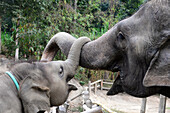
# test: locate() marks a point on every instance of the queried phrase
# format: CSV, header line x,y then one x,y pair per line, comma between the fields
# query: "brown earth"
x,y
124,103
120,103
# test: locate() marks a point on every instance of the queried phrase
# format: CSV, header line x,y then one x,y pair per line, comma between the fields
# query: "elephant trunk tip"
x,y
75,51
109,93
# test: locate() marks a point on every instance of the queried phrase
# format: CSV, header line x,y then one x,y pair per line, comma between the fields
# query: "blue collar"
x,y
13,79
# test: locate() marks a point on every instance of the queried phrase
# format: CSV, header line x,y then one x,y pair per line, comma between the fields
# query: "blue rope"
x,y
13,78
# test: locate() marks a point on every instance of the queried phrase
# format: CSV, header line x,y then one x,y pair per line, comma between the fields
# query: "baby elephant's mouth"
x,y
69,78
71,87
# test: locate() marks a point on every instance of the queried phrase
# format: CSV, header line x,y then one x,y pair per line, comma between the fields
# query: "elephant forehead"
x,y
55,65
140,43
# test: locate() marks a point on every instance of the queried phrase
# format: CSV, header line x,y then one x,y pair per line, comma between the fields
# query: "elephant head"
x,y
44,84
138,47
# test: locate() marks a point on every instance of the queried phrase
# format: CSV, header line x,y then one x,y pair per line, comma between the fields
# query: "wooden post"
x,y
101,85
162,104
89,88
95,88
143,106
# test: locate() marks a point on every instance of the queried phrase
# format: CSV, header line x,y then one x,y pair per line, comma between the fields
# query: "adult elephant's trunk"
x,y
96,54
99,53
74,53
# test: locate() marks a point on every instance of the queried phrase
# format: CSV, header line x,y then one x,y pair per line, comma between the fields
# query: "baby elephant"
x,y
35,87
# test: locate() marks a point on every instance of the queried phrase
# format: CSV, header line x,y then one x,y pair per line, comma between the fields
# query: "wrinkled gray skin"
x,y
138,47
42,84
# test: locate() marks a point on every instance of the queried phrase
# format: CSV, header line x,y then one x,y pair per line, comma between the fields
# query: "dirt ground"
x,y
124,103
121,103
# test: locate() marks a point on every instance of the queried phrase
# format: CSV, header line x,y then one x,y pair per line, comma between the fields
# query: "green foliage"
x,y
36,21
8,44
126,8
77,109
82,75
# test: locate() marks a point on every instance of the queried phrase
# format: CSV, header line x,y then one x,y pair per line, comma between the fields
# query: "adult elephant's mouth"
x,y
114,67
117,84
68,78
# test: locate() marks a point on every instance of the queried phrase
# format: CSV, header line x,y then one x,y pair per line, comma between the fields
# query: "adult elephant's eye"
x,y
61,72
121,41
120,36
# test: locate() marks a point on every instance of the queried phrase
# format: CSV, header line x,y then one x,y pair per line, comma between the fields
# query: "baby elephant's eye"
x,y
61,71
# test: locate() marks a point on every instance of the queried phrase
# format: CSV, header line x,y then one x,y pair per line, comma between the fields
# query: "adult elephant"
x,y
138,47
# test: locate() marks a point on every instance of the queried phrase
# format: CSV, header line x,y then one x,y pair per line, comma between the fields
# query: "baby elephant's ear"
x,y
158,73
34,96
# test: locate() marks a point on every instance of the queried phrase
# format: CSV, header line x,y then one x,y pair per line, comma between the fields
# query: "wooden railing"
x,y
100,84
94,86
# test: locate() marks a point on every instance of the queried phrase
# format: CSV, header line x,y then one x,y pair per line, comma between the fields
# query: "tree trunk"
x,y
17,49
71,3
75,5
75,9
0,35
16,43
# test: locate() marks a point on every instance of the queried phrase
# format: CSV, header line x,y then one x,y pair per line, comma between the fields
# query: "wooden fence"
x,y
100,84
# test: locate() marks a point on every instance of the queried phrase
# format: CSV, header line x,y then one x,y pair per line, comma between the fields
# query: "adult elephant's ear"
x,y
34,96
158,73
